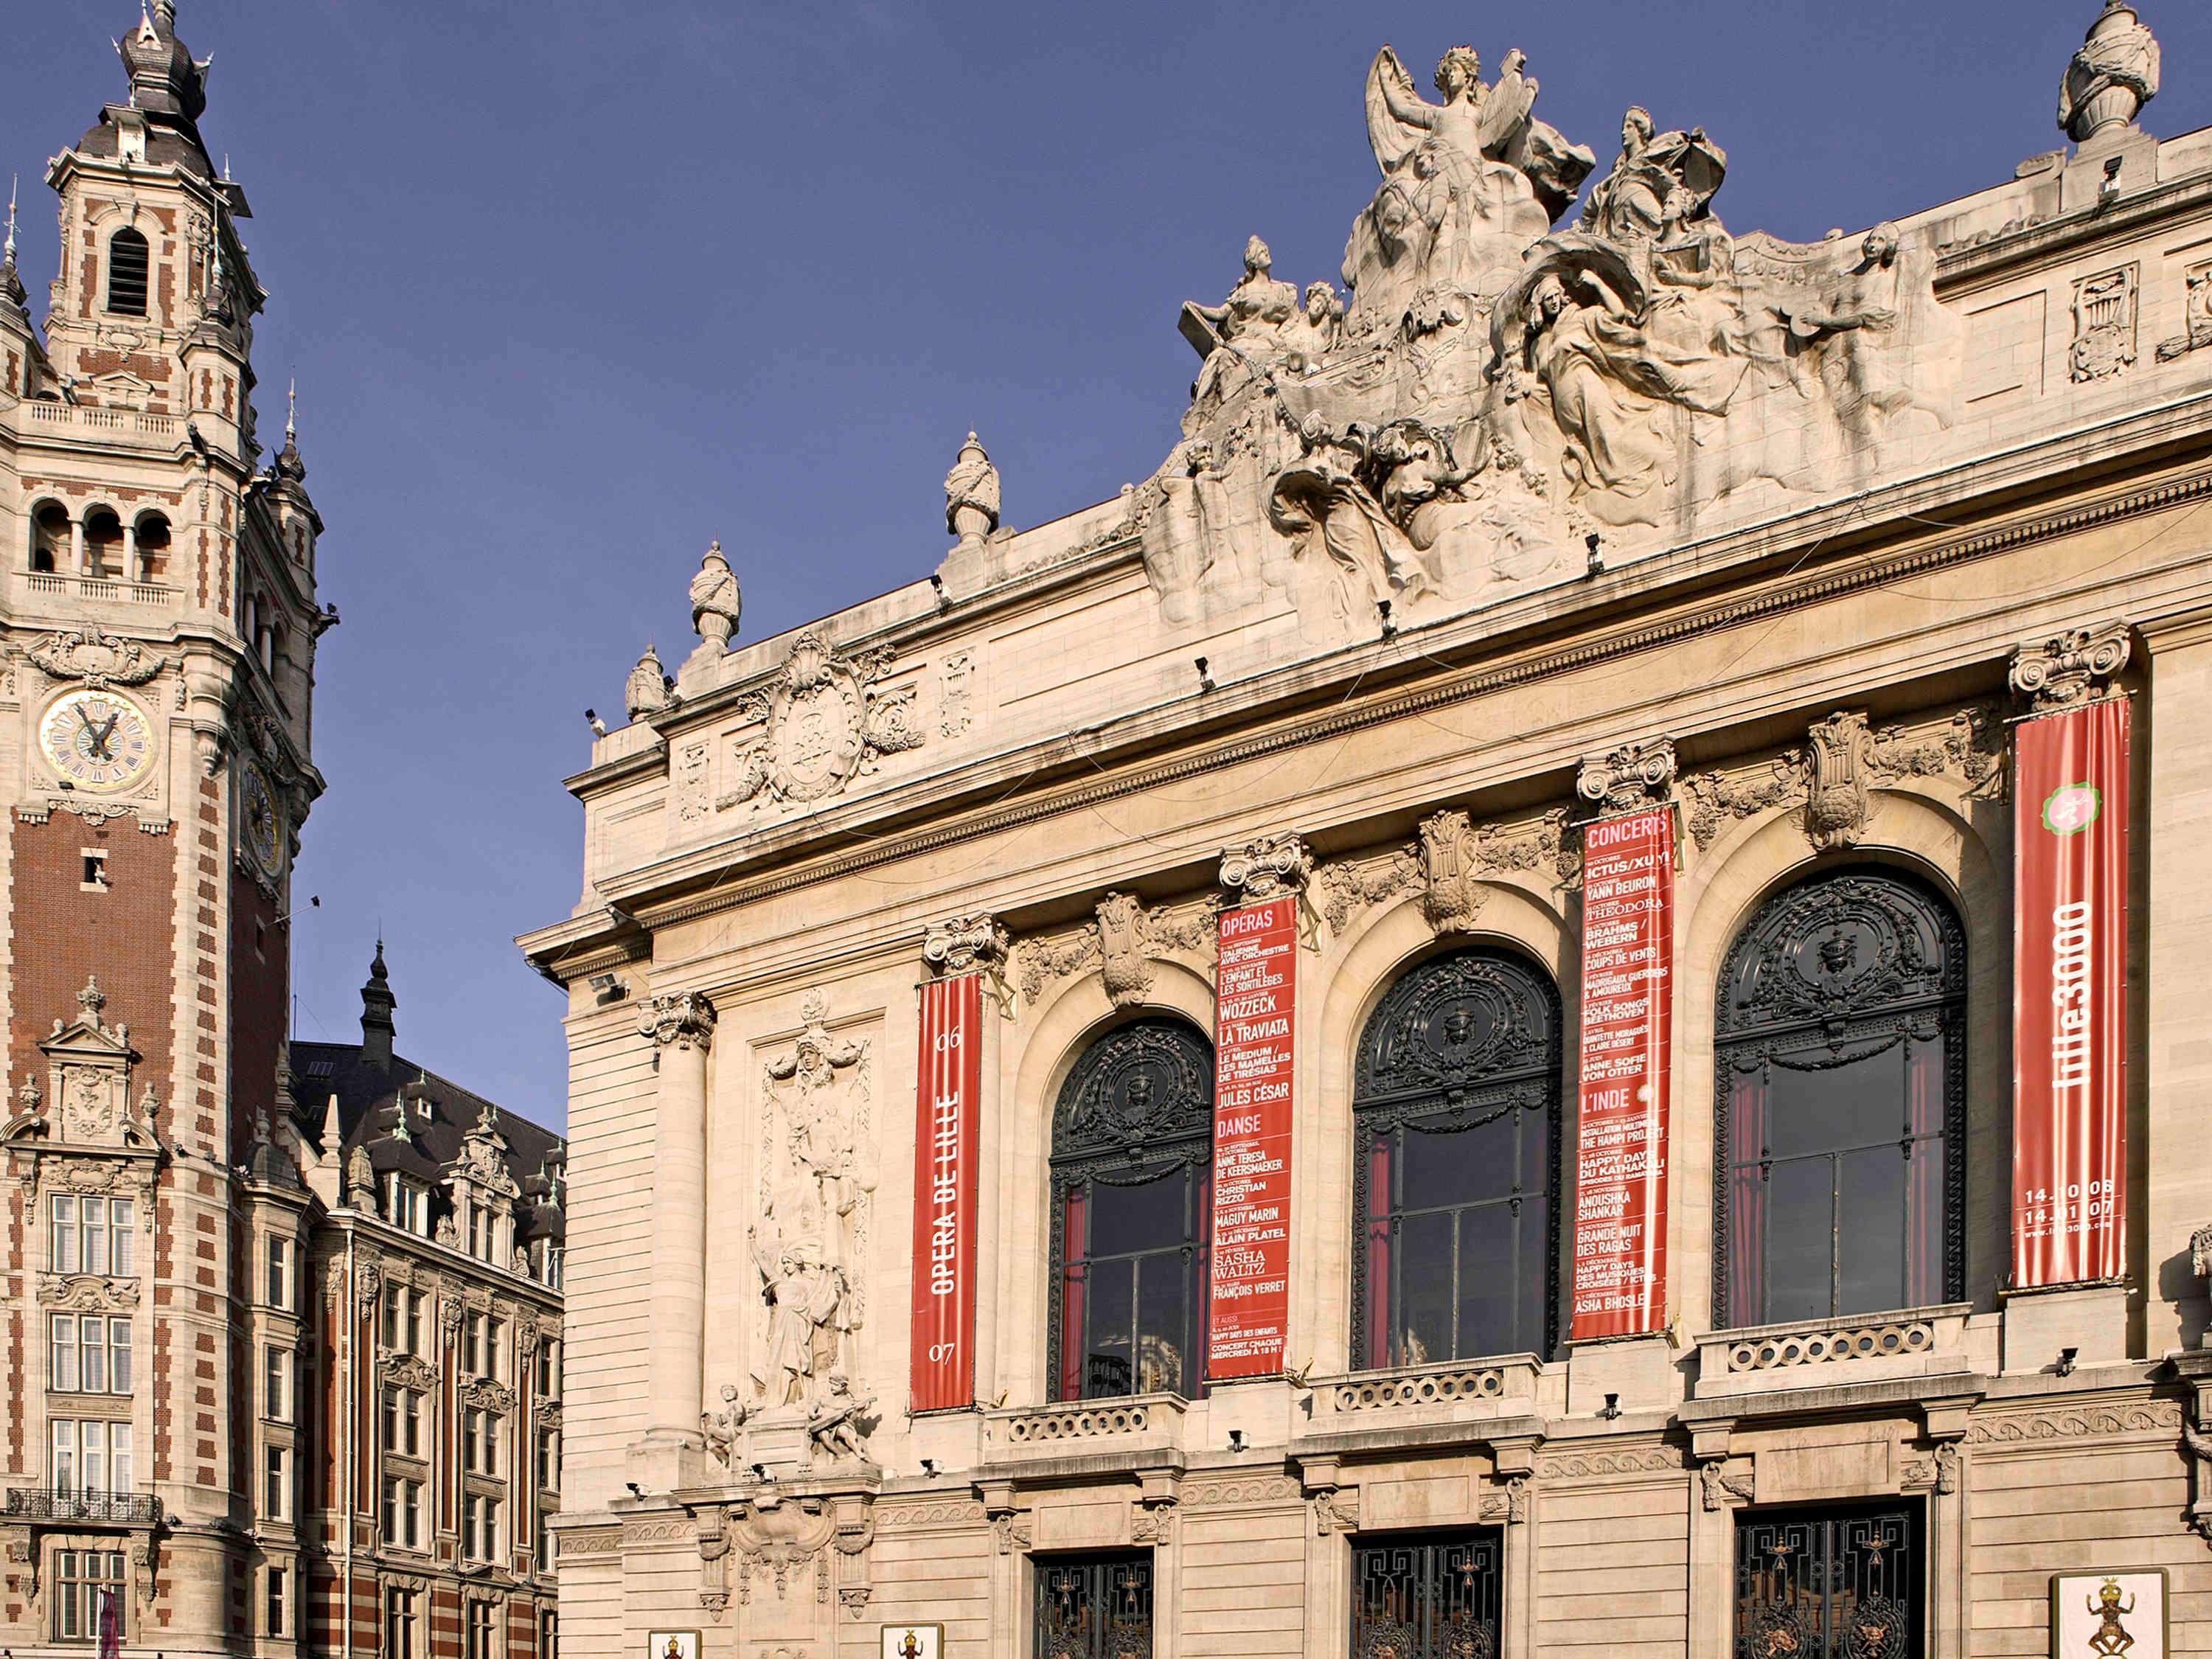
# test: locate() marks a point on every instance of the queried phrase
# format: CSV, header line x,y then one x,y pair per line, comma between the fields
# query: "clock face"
x,y
261,823
98,740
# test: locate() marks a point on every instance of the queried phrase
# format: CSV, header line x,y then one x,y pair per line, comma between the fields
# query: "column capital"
x,y
1633,776
965,945
2071,668
682,1019
1266,868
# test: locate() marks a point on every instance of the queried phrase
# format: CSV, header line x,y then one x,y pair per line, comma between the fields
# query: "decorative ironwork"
x,y
42,1503
1428,1596
1830,1584
1095,1607
1837,969
1461,1041
1140,1098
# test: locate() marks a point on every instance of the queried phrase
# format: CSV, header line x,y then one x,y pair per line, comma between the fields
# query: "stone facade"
x,y
189,1321
1544,521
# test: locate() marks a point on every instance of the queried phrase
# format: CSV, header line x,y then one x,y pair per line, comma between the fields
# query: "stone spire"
x,y
11,281
377,1003
289,465
165,79
2112,77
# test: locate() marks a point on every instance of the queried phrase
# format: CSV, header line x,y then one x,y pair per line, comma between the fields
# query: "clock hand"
x,y
105,734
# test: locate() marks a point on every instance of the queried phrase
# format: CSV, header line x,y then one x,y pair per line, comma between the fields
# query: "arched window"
x,y
1840,1074
1132,1188
153,538
1455,1113
127,264
103,544
49,537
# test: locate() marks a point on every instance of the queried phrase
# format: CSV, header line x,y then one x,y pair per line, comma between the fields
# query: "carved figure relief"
x,y
2103,324
828,721
955,696
816,1190
2196,316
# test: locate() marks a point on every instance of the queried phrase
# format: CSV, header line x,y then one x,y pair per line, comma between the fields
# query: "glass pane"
x,y
1140,1217
1495,1282
64,1236
1831,1108
1164,1345
1109,1365
1872,1243
1799,1227
124,1241
1457,1168
1421,1311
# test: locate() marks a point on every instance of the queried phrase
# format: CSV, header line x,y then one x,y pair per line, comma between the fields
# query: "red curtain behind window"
x,y
1378,1253
1746,1279
1073,1339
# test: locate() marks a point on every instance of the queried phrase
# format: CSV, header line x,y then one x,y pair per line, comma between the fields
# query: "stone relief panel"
x,y
1495,389
2196,317
1450,865
2103,325
824,721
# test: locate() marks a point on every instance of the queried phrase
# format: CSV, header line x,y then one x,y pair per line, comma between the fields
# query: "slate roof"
x,y
439,1113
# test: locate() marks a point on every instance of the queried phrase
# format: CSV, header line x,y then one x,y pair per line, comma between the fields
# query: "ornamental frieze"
x,y
1452,865
98,660
828,720
1121,942
88,1292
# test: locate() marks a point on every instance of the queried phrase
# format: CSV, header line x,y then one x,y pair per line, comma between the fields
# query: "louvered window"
x,y
127,262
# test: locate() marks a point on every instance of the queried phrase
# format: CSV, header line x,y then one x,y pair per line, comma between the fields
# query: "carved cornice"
x,y
485,1395
965,945
408,1371
588,952
2072,668
1266,868
1629,778
682,1019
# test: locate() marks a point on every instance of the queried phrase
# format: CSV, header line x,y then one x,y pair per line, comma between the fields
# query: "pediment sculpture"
x,y
98,660
828,718
1496,396
86,1102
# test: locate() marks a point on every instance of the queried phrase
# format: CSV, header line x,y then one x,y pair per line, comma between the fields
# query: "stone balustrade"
x,y
1074,1428
1811,1353
1459,1389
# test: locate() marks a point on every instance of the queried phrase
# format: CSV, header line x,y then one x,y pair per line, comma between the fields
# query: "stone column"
x,y
681,1027
76,544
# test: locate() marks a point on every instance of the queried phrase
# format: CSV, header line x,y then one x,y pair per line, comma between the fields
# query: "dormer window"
x,y
409,1205
128,263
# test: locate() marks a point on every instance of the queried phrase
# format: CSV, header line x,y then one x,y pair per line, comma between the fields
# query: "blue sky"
x,y
571,288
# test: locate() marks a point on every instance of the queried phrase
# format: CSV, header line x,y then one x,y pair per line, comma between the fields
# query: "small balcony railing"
x,y
43,1504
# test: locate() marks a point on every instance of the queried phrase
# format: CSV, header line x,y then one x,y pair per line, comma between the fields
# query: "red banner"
x,y
2069,996
948,1104
1621,1169
1255,1019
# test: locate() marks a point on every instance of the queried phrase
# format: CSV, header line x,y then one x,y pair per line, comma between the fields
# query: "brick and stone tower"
x,y
158,623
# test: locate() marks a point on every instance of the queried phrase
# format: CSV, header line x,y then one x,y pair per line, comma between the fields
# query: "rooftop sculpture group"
x,y
1494,390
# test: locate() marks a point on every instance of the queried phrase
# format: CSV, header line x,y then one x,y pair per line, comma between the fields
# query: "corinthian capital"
x,y
965,945
2072,667
684,1019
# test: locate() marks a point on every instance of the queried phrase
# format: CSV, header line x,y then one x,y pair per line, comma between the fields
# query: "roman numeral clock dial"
x,y
98,740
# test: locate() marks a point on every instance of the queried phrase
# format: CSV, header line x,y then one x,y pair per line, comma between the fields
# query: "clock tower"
x,y
158,627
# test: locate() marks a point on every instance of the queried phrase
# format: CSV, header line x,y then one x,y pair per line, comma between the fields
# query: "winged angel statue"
x,y
1467,184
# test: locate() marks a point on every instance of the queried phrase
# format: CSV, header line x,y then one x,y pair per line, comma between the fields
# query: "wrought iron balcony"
x,y
43,1504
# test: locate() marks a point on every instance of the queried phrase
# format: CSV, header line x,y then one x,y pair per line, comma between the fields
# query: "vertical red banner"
x,y
1256,1020
2069,996
948,1105
1621,1162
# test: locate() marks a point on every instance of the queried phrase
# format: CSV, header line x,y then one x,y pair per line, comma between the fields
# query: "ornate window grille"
x,y
1840,1102
1132,1168
1095,1607
1427,1596
1830,1584
1455,1105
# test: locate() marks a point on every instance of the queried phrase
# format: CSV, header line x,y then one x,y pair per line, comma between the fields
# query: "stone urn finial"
x,y
2112,77
716,602
647,692
971,494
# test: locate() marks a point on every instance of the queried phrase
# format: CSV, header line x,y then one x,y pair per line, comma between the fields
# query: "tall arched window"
x,y
1455,1113
127,265
1840,1072
1132,1188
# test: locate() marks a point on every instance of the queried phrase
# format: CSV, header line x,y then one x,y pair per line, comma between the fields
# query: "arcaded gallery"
x,y
1547,998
